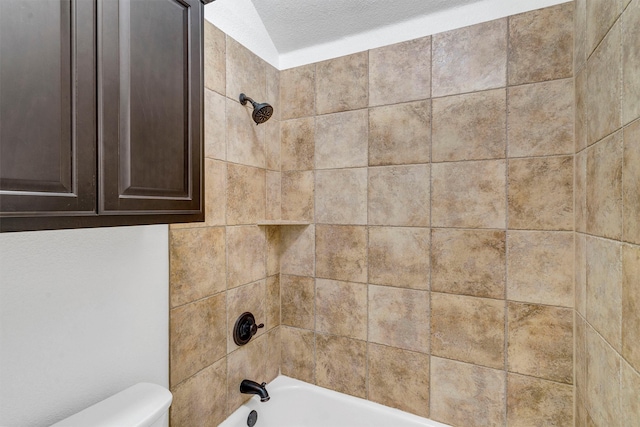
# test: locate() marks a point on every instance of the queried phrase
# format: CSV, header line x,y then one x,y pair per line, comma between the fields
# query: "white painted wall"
x,y
83,315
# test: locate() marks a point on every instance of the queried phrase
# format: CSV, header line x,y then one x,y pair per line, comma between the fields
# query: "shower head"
x,y
261,112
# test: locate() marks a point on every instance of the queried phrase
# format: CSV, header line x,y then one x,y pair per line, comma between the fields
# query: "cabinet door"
x,y
150,104
47,108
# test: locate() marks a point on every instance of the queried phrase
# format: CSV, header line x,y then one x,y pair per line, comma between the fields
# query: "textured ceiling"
x,y
290,33
297,24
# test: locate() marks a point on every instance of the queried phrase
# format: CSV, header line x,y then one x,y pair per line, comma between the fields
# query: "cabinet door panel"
x,y
150,72
47,108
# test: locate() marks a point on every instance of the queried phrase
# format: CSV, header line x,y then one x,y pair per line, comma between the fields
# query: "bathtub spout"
x,y
252,387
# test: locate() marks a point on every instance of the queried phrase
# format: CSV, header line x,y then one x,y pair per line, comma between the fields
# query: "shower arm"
x,y
244,98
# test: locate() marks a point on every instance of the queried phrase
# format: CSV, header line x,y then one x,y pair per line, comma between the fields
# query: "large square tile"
x,y
580,36
298,195
274,249
541,119
603,382
246,72
631,62
581,274
342,84
215,50
541,193
341,308
398,318
604,288
298,301
468,329
341,364
536,402
196,263
298,250
629,402
541,44
470,59
197,336
246,248
580,189
191,403
215,144
399,257
400,134
581,94
298,353
467,395
272,302
341,252
399,379
399,195
580,357
400,72
468,262
298,92
273,202
631,183
272,142
601,14
469,194
631,304
246,194
470,126
341,196
604,84
274,354
342,140
604,187
297,144
540,341
540,266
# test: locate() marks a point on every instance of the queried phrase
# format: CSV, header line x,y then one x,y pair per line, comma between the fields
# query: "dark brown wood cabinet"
x,y
100,113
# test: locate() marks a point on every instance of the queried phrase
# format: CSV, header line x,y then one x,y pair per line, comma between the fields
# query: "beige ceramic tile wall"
x,y
437,276
228,265
607,205
439,178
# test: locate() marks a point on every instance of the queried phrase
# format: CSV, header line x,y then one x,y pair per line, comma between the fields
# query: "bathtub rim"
x,y
282,382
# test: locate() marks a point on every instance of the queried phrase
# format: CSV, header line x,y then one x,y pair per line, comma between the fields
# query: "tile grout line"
x,y
506,234
451,95
315,236
430,287
366,362
621,21
575,202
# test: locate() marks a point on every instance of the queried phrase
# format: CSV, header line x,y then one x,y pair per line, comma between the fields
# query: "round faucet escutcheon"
x,y
245,328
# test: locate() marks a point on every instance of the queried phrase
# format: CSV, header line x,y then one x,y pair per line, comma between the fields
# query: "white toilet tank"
x,y
141,405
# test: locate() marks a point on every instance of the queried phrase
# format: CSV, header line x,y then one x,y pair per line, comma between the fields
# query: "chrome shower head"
x,y
261,112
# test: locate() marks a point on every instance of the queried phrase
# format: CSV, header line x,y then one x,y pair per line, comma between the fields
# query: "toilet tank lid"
x,y
138,406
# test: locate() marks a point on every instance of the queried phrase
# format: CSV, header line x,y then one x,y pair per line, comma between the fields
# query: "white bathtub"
x,y
298,404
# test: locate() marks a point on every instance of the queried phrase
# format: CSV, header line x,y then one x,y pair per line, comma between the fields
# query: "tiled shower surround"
x,y
451,213
228,264
607,293
437,276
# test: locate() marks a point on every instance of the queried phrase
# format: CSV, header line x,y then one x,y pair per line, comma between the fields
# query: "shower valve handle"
x,y
254,328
